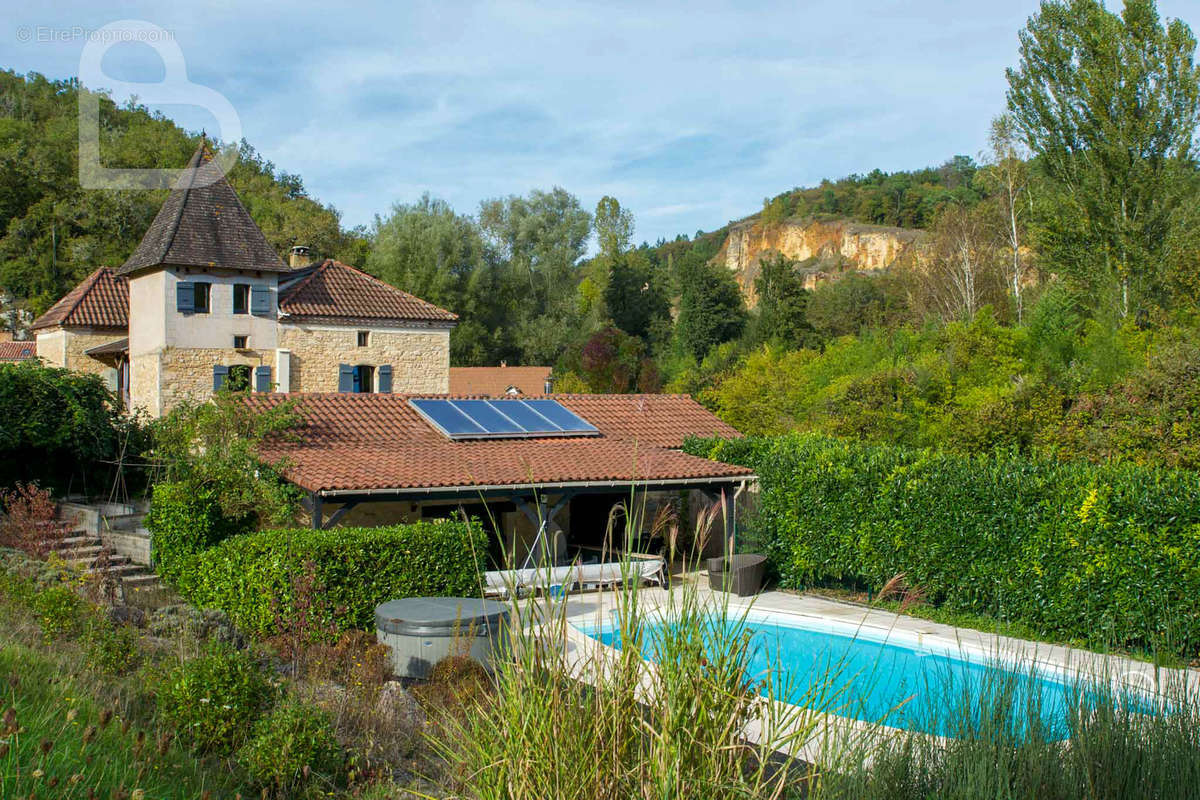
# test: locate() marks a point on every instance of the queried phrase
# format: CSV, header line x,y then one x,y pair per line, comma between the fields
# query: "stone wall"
x,y
144,382
187,372
419,357
64,347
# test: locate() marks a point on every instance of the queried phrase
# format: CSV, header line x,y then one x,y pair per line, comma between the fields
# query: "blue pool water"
x,y
888,682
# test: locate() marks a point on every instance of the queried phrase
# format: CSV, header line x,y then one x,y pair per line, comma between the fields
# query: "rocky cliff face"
x,y
824,248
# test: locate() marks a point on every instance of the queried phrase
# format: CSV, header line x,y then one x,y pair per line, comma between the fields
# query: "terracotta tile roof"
x,y
332,290
371,441
495,381
100,301
17,351
204,224
663,420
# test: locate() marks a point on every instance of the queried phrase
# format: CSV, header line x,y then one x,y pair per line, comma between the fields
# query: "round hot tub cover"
x,y
440,616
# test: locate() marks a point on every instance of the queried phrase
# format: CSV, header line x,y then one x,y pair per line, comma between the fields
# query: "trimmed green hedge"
x,y
185,520
1103,553
251,577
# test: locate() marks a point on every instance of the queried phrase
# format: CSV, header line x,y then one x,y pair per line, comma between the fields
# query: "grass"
x,y
62,740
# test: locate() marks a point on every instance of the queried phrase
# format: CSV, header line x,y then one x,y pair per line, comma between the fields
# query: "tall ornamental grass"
x,y
657,717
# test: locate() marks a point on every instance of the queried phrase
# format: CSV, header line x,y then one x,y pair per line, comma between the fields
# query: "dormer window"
x,y
241,298
200,297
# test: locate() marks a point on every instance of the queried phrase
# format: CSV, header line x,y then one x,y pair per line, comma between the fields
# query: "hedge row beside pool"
x,y
1103,553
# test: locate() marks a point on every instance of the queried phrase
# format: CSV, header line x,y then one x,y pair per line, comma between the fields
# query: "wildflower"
x,y
37,774
72,714
138,794
105,717
45,746
89,733
76,778
52,782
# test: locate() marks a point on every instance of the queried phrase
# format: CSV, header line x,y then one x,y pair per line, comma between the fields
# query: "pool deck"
x,y
589,611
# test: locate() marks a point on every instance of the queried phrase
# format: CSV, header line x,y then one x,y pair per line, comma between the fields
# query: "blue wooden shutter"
x,y
185,297
262,379
385,378
345,378
220,373
260,300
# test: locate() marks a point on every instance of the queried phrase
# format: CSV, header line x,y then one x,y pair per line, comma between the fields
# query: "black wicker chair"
x,y
741,574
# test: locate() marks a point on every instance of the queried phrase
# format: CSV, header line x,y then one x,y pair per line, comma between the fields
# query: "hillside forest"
x,y
1050,308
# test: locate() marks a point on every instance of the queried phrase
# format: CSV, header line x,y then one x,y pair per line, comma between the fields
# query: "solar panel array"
x,y
502,419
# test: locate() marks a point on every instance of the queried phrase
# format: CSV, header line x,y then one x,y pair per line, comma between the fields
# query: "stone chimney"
x,y
300,256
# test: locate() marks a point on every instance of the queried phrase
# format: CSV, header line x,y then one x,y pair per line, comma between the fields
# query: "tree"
x,y
710,309
635,295
1007,175
538,242
782,304
1109,104
614,227
962,268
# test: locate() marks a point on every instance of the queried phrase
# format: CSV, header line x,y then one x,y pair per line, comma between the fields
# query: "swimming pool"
x,y
888,680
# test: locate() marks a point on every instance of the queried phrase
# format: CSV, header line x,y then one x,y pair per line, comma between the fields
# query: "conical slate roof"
x,y
204,224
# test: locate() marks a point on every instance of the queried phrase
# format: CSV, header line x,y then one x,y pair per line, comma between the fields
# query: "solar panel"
x,y
561,416
502,419
448,419
487,417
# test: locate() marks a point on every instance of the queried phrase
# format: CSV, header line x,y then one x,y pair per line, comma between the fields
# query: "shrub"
x,y
1103,553
185,519
292,745
62,428
60,612
28,521
251,577
111,647
212,700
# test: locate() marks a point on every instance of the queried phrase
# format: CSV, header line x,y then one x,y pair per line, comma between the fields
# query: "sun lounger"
x,y
586,576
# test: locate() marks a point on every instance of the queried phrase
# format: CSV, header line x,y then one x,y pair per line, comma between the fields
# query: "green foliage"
x,y
212,701
60,611
1102,553
53,233
112,648
185,520
855,302
906,199
61,428
635,295
711,310
1110,103
251,577
214,449
781,316
291,747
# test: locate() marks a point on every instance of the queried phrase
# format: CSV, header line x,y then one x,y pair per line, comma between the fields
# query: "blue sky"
x,y
689,113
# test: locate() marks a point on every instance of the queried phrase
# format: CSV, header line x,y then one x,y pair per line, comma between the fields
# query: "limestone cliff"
x,y
824,248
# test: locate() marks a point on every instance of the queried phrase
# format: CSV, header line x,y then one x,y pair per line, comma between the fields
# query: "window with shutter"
x,y
220,373
185,297
260,300
385,378
345,378
262,379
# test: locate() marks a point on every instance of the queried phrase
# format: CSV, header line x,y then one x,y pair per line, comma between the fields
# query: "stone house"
x,y
205,301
